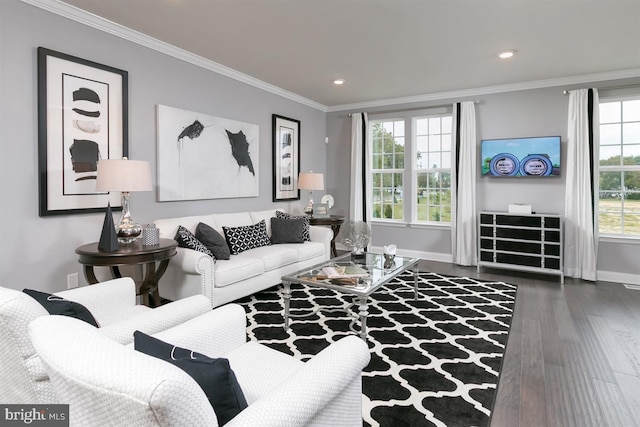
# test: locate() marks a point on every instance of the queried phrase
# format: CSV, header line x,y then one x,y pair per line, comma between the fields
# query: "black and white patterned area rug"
x,y
435,361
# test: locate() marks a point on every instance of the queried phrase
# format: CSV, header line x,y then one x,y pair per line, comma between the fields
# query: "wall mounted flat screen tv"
x,y
521,157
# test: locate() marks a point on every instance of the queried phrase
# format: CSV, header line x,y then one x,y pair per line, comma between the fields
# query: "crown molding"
x,y
99,23
490,90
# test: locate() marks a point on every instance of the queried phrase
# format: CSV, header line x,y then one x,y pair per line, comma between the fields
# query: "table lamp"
x,y
126,176
310,181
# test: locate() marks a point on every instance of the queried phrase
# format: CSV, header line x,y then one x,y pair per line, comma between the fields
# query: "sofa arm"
x,y
191,261
158,319
104,298
215,333
322,235
301,398
196,263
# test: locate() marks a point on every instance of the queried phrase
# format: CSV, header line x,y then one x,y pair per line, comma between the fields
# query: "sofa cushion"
x,y
284,215
258,216
236,269
246,237
232,219
55,304
213,241
307,251
274,256
214,376
186,239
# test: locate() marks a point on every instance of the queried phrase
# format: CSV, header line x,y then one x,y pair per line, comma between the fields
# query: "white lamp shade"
x,y
123,175
311,181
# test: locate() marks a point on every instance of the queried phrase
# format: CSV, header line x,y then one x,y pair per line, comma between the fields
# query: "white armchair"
x,y
112,303
107,383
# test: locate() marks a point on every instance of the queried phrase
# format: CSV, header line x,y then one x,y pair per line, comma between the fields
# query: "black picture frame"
x,y
82,117
286,158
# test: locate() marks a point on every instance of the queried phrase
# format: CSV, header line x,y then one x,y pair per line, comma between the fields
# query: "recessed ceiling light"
x,y
506,54
338,82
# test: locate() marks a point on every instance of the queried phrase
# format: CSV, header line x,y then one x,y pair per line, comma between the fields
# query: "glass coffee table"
x,y
376,276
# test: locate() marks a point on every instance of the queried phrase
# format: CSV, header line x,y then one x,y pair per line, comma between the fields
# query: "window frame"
x,y
409,174
621,168
415,170
394,170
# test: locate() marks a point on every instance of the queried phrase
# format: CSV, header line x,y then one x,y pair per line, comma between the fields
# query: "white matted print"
x,y
83,118
205,157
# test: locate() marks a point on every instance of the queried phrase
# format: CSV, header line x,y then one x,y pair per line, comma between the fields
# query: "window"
x,y
387,169
411,176
619,167
432,169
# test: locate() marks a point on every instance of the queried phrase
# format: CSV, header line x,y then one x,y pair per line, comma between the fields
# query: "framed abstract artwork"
x,y
286,158
206,157
82,118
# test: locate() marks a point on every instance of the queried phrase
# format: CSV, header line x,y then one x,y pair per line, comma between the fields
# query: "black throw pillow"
x,y
186,239
213,241
285,215
214,376
288,230
58,305
246,237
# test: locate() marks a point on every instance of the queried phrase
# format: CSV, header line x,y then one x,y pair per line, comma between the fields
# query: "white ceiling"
x,y
389,49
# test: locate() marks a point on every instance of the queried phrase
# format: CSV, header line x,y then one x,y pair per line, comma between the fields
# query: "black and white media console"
x,y
527,242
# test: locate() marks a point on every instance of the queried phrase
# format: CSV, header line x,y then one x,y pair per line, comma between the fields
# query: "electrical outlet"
x,y
72,280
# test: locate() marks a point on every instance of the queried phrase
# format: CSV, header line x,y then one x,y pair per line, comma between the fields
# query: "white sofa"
x,y
222,281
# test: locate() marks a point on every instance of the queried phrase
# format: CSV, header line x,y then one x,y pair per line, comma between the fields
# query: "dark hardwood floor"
x,y
573,354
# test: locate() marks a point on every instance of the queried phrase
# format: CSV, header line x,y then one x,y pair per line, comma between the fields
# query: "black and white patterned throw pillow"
x,y
186,239
305,233
246,237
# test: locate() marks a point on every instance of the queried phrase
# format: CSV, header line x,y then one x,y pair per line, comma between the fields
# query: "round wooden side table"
x,y
134,253
333,221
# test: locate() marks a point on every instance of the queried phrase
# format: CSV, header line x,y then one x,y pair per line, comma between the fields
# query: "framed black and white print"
x,y
201,156
82,118
286,158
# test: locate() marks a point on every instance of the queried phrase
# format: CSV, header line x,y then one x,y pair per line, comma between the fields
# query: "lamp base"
x,y
127,233
127,229
309,208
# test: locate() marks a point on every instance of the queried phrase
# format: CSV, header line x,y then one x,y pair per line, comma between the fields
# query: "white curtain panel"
x,y
580,243
360,169
463,187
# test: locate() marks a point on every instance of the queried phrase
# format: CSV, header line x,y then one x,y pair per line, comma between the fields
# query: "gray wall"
x,y
536,112
39,252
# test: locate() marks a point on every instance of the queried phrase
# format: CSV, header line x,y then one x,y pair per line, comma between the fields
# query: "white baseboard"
x,y
605,276
613,276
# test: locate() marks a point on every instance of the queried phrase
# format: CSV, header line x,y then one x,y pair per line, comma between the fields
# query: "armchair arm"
x,y
159,319
215,333
104,298
301,398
